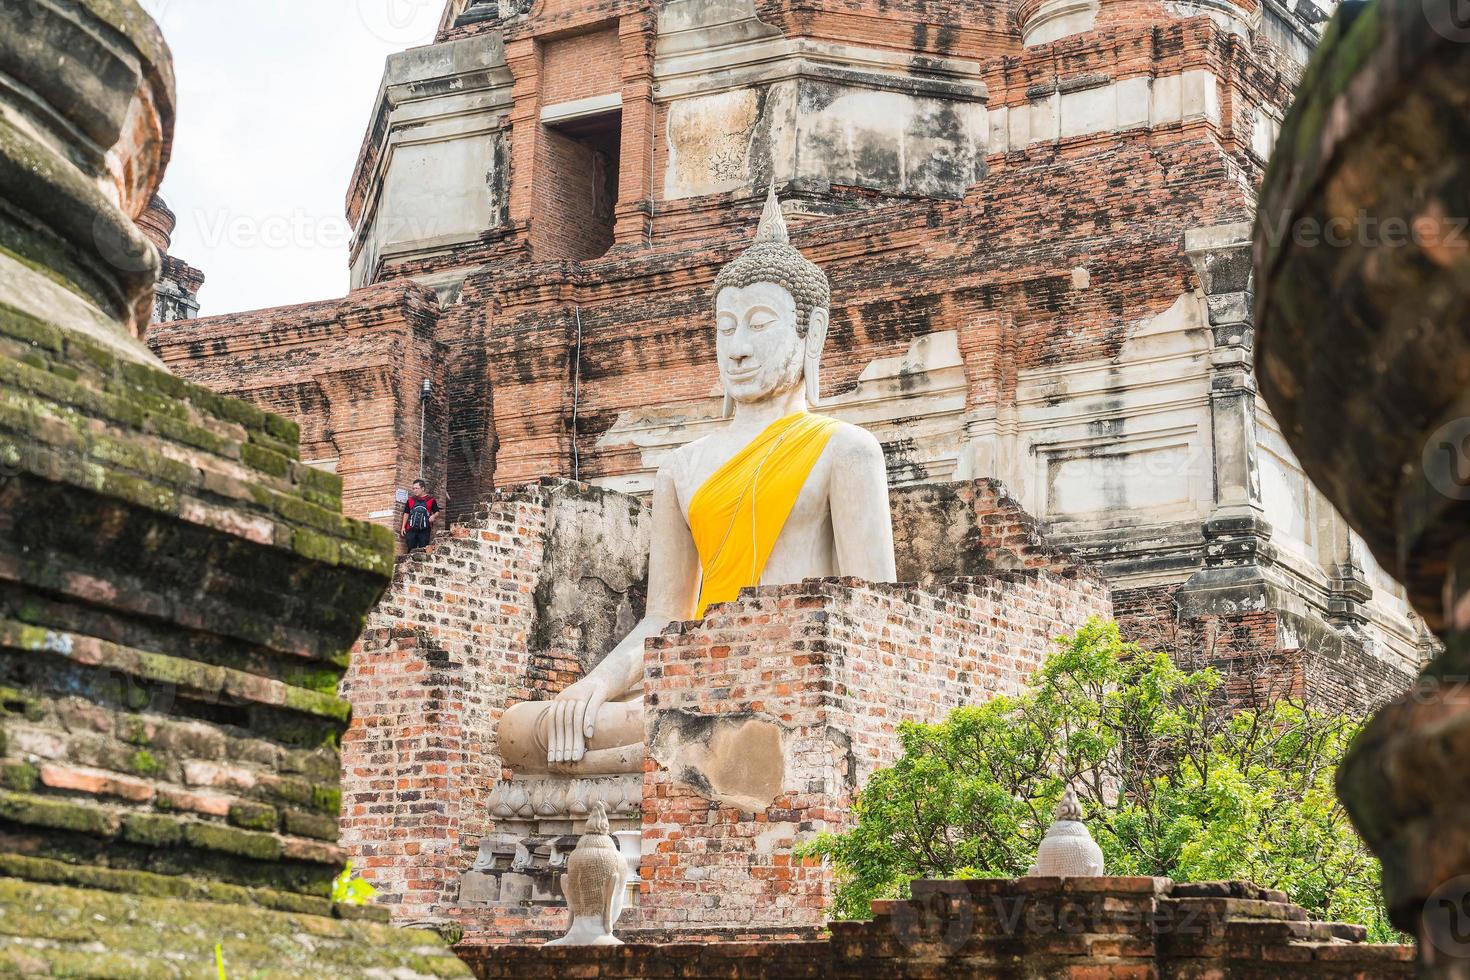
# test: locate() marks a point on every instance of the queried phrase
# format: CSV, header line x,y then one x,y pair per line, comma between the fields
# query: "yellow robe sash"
x,y
738,514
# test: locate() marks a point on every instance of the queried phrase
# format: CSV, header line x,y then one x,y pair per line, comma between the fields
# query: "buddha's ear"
x,y
727,411
816,339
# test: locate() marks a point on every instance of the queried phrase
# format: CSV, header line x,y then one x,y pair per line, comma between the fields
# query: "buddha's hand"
x,y
572,718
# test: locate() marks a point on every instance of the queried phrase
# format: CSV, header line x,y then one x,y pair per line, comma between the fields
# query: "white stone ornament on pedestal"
x,y
596,875
1068,850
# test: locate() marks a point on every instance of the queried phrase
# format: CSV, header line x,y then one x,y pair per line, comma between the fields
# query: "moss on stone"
x,y
96,357
149,884
254,816
134,731
232,409
264,460
322,480
151,379
152,830
312,825
140,460
327,799
29,329
65,371
37,811
66,931
315,703
323,680
143,763
299,511
217,837
316,547
190,435
376,558
284,429
144,493
18,703
19,776
289,450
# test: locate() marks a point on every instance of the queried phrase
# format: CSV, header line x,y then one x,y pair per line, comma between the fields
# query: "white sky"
x,y
274,99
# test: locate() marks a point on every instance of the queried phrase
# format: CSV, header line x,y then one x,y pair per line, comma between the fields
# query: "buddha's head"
x,y
771,316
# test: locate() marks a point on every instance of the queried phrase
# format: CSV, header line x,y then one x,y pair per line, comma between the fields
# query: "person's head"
x,y
420,488
771,315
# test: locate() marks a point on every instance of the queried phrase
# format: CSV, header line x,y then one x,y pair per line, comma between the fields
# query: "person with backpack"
x,y
420,511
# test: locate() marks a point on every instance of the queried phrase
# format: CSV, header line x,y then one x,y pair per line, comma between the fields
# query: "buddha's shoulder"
x,y
679,462
854,445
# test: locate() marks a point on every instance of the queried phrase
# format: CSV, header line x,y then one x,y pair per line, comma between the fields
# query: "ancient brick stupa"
x,y
177,591
1364,358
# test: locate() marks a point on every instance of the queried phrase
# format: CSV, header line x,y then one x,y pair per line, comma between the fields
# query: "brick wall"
x,y
1077,928
441,658
949,530
488,616
1263,653
574,213
581,66
836,666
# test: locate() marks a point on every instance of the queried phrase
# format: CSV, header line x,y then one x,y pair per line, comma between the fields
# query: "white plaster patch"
x,y
1115,107
709,143
1057,19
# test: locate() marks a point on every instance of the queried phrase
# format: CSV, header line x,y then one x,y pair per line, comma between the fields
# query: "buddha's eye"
x,y
726,325
761,322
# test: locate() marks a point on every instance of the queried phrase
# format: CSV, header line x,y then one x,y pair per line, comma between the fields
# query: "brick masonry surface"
x,y
836,665
1026,929
487,617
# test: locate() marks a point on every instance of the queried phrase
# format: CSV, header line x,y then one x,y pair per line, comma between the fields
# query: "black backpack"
x,y
418,515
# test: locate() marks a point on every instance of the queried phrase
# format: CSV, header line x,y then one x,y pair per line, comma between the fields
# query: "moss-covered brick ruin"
x,y
178,591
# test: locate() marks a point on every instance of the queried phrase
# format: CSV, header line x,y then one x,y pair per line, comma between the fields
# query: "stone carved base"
x,y
555,804
538,821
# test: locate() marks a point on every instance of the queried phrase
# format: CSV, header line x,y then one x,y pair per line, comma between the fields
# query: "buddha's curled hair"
x,y
772,258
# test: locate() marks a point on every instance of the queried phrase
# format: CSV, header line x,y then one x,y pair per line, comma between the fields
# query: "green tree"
x,y
1173,782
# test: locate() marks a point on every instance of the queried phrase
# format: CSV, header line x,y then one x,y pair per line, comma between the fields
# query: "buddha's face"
x,y
760,351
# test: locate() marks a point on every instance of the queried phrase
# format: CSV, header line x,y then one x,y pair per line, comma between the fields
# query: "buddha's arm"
x,y
673,591
861,522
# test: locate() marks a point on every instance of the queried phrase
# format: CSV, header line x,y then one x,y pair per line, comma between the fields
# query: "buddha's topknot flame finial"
x,y
773,222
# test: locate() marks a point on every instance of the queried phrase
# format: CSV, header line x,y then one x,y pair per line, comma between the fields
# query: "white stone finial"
x,y
773,222
593,885
1068,850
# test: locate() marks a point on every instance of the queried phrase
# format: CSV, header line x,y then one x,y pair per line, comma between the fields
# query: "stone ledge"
x,y
60,930
1102,928
189,674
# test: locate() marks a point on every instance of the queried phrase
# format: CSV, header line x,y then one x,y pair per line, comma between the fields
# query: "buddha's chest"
x,y
812,502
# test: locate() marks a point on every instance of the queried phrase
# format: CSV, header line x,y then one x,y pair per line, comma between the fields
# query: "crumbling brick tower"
x,y
1034,218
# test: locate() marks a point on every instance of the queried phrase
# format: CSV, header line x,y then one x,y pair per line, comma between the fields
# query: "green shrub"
x,y
1172,781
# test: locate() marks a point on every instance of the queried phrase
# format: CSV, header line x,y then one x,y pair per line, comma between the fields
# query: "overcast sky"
x,y
274,98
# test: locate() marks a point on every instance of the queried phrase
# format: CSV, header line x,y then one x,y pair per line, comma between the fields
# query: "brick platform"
x,y
1079,928
766,717
515,604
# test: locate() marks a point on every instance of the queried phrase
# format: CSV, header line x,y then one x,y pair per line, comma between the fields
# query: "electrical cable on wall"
x,y
424,394
577,399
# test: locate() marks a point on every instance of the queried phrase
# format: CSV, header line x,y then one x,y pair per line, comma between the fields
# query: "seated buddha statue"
x,y
776,495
